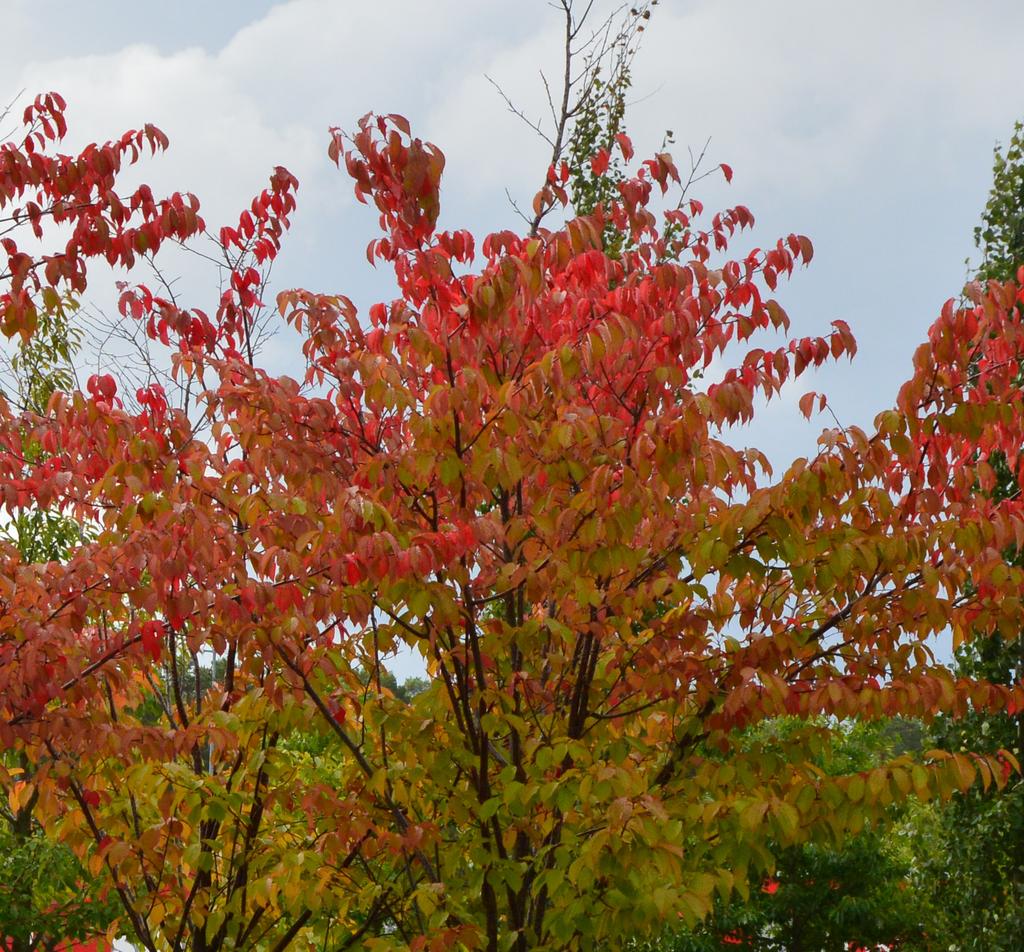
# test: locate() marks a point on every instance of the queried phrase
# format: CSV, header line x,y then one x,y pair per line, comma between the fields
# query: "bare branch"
x,y
515,110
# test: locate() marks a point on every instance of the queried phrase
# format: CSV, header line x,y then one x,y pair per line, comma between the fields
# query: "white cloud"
x,y
868,126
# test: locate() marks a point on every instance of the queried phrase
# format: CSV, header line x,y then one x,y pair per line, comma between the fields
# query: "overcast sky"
x,y
868,126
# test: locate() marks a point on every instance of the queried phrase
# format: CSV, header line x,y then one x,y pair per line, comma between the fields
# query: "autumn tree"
x,y
512,470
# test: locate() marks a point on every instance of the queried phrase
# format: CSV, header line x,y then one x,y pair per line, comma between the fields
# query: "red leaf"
x,y
807,404
152,638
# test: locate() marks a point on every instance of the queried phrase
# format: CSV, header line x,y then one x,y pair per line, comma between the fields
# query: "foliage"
x,y
44,899
821,899
509,470
821,896
596,166
1000,236
42,904
597,151
967,868
973,858
39,367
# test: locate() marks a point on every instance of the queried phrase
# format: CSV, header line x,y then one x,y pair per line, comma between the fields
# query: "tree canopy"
x,y
521,469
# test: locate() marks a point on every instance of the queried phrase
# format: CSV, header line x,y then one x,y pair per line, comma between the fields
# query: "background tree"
x,y
508,469
1000,236
823,895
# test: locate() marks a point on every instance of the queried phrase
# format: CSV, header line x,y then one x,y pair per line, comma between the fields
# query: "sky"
x,y
868,126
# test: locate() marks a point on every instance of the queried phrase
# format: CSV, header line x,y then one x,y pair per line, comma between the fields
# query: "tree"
x,y
508,469
1000,236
